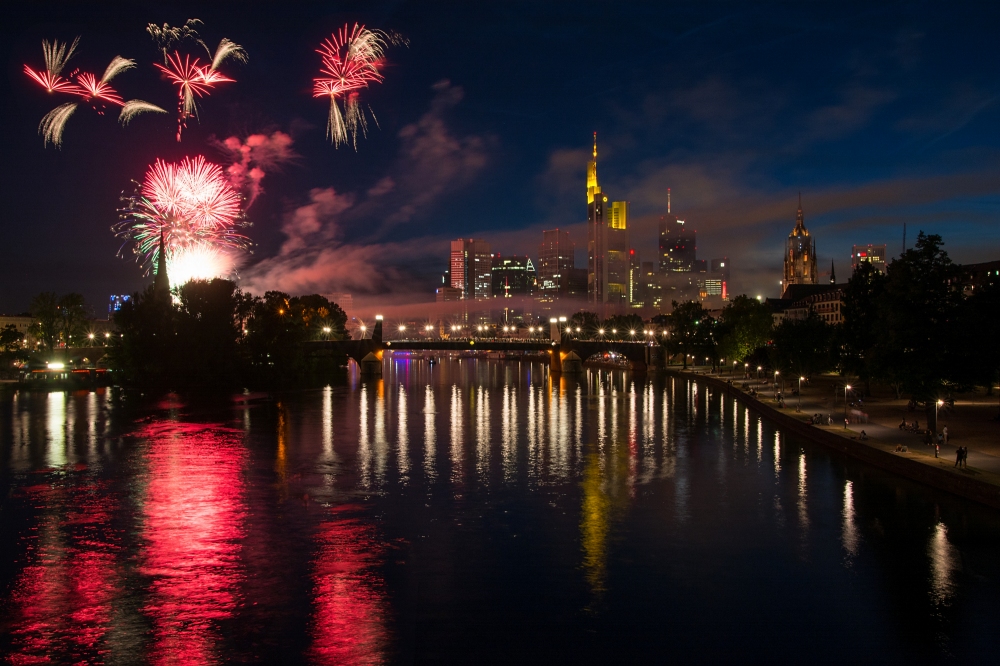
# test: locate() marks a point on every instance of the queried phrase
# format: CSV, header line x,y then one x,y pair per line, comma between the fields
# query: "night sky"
x,y
879,114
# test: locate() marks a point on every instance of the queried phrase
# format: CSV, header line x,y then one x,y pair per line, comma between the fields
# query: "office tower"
x,y
873,254
634,279
678,243
470,268
607,243
800,254
721,266
116,302
555,260
512,276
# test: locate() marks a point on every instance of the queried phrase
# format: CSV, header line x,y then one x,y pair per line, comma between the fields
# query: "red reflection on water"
x,y
62,600
349,596
193,523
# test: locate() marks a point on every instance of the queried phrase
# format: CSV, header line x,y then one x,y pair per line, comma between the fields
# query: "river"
x,y
471,512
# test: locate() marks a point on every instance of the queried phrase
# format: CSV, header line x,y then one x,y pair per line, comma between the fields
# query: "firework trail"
x,y
192,78
351,60
96,92
197,211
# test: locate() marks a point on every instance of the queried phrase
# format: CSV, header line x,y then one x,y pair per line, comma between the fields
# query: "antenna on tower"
x,y
668,201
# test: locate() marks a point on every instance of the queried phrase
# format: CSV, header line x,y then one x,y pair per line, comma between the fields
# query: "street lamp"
x,y
600,331
759,368
847,387
734,368
936,406
363,329
798,407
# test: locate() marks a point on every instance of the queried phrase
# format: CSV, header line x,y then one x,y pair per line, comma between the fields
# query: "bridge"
x,y
564,355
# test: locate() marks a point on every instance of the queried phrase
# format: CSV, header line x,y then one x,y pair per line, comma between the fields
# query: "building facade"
x,y
555,261
678,245
470,268
872,254
512,276
800,254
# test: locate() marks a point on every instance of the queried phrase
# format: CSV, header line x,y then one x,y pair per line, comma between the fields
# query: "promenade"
x,y
970,423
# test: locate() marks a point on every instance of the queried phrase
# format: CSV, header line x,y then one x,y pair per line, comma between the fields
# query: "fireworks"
x,y
199,214
191,78
96,92
351,60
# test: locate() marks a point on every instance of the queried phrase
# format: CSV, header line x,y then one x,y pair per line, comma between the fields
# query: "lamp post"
x,y
363,329
847,387
798,407
936,406
759,368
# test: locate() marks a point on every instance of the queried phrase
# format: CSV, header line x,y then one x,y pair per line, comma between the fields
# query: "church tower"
x,y
161,284
800,254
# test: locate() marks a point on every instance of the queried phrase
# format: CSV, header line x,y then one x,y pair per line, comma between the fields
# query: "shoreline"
x,y
939,473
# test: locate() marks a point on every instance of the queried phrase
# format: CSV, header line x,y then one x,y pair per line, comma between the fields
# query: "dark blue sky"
x,y
879,115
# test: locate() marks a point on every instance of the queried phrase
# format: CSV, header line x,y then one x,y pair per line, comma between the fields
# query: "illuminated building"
x,y
800,254
635,280
116,302
512,276
678,244
607,243
470,268
555,261
873,254
721,266
345,301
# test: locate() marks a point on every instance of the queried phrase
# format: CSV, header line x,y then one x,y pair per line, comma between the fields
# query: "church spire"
x,y
833,273
161,284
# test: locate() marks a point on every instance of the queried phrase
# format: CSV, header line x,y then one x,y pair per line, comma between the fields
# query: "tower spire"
x,y
161,284
595,146
668,201
833,273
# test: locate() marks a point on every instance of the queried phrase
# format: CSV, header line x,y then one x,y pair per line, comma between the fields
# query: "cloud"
x,y
253,157
318,256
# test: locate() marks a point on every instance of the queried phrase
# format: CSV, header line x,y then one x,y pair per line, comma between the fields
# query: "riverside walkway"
x,y
969,424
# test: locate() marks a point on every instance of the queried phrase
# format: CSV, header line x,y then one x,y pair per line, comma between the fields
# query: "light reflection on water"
x,y
435,497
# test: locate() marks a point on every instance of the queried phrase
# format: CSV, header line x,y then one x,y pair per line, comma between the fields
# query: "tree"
x,y
745,327
73,324
979,331
802,347
11,349
859,334
623,324
47,319
917,345
691,332
587,322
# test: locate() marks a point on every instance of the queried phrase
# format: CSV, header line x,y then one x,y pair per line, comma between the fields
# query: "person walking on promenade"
x,y
958,457
965,457
945,433
937,450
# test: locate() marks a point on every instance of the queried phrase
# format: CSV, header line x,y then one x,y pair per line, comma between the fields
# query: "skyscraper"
x,y
678,244
873,254
555,260
470,268
800,254
512,276
607,243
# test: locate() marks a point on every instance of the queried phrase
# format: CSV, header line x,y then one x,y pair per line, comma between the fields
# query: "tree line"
x,y
210,334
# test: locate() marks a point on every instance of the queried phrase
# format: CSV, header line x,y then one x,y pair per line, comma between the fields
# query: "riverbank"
x,y
979,482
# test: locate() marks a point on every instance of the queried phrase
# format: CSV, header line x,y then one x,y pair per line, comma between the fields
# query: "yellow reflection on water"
x,y
403,436
595,522
944,563
430,434
56,429
850,537
456,434
482,412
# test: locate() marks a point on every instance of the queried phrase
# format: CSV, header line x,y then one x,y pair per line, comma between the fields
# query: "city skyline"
x,y
847,125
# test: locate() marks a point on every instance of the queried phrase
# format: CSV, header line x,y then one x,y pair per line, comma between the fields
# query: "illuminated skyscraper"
x,y
607,243
800,254
873,254
678,244
512,276
470,267
555,261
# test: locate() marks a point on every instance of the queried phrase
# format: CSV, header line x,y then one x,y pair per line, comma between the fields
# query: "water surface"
x,y
471,512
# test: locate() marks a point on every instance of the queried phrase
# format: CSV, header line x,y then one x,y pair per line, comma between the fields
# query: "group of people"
x,y
962,457
819,419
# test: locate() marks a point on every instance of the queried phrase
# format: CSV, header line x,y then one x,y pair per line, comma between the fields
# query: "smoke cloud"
x,y
317,255
253,157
